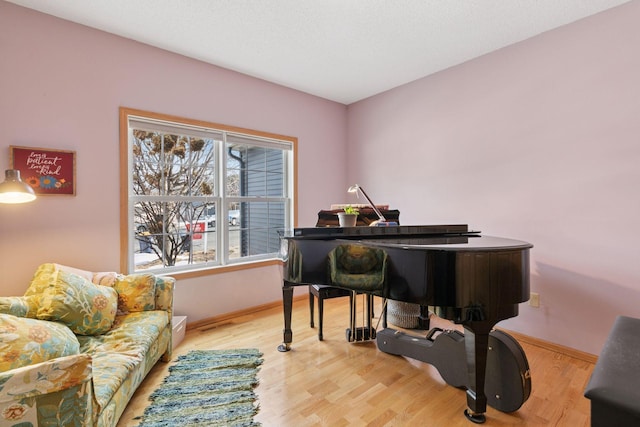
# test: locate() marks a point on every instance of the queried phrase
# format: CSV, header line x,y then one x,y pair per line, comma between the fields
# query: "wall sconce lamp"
x,y
14,190
354,189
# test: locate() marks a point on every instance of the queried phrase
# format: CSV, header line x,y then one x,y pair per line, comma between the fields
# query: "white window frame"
x,y
222,133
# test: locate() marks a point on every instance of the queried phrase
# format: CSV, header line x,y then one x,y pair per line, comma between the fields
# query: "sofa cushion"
x,y
110,371
132,334
42,278
25,341
105,278
86,308
122,351
18,306
136,292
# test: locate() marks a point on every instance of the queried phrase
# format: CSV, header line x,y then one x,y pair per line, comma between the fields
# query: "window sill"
x,y
224,269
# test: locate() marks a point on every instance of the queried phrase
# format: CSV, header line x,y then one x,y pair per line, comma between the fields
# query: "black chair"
x,y
323,292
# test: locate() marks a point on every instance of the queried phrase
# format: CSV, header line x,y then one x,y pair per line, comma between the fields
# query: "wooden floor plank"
x,y
336,383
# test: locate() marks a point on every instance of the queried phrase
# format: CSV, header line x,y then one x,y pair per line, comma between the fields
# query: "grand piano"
x,y
471,279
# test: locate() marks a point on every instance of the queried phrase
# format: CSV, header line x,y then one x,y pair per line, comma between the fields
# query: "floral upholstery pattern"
x,y
58,390
136,292
164,293
45,274
26,341
86,308
18,306
118,352
91,388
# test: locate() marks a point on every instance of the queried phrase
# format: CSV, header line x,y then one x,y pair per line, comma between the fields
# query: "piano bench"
x,y
323,292
613,387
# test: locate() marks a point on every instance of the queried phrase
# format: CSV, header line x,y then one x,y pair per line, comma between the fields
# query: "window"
x,y
202,195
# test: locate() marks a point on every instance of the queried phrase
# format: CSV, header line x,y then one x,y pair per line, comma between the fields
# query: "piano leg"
x,y
477,346
287,302
423,318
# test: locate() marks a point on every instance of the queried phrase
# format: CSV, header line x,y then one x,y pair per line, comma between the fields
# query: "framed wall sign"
x,y
47,171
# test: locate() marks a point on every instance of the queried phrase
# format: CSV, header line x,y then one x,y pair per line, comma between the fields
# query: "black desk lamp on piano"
x,y
381,222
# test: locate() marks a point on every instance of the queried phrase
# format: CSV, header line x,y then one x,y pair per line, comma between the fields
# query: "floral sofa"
x,y
76,346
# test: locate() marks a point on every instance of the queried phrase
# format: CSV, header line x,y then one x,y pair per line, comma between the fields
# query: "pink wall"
x,y
61,85
538,141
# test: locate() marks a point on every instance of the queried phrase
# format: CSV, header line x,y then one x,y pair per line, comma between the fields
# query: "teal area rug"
x,y
207,388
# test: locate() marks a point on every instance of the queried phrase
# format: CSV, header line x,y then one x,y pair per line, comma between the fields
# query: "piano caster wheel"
x,y
474,417
284,347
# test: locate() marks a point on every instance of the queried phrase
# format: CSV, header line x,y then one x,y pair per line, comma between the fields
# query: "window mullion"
x,y
221,224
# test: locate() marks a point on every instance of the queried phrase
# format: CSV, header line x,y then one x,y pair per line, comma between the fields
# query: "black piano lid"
x,y
381,232
448,237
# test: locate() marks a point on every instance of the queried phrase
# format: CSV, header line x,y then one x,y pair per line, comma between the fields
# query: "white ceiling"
x,y
342,50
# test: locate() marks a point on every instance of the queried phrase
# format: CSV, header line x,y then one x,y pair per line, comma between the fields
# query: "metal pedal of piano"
x,y
360,334
367,331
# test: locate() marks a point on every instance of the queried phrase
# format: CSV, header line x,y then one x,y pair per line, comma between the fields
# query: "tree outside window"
x,y
203,196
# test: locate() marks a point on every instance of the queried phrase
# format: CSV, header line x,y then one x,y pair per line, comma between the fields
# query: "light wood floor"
x,y
336,383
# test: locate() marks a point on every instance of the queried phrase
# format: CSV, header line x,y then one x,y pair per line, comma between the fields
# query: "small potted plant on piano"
x,y
349,217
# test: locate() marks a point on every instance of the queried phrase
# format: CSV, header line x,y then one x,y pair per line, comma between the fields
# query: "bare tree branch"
x,y
171,165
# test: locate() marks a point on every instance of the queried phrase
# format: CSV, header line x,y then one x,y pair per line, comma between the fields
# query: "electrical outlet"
x,y
534,299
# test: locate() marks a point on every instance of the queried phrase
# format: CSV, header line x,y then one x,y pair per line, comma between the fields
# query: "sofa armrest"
x,y
47,392
164,301
164,293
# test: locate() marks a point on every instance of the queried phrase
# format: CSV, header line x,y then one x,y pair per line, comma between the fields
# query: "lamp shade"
x,y
14,190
